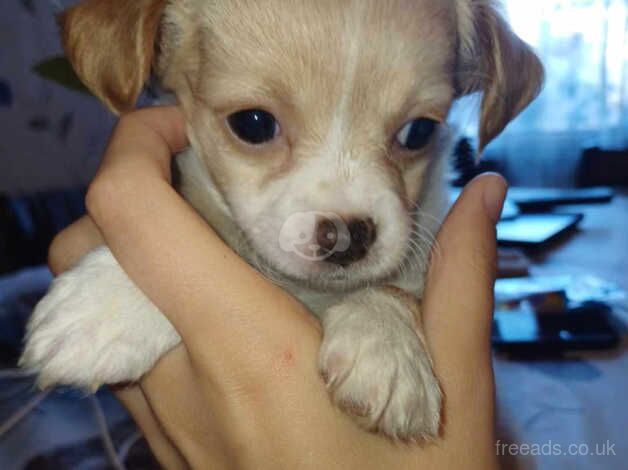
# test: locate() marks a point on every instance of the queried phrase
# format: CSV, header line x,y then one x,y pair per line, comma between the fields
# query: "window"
x,y
584,47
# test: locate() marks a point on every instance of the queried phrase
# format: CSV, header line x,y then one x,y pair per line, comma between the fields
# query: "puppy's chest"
x,y
193,182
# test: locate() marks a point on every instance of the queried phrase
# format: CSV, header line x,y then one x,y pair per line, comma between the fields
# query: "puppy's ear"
x,y
495,61
111,44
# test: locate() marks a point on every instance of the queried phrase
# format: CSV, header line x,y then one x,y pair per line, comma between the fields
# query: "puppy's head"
x,y
317,120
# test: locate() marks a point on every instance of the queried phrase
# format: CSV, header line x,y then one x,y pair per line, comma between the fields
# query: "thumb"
x,y
458,300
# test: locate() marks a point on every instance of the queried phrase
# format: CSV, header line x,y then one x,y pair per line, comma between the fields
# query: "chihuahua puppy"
x,y
318,152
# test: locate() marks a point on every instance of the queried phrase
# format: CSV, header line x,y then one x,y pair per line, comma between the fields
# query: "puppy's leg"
x,y
95,327
376,364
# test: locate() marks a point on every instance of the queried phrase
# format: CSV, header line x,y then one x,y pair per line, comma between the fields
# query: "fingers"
x,y
197,422
221,307
147,136
72,244
230,317
458,303
462,272
144,141
135,402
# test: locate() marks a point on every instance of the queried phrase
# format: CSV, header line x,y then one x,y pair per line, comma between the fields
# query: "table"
x,y
562,413
599,247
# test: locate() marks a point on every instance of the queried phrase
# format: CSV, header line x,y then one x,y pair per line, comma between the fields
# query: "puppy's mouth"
x,y
328,249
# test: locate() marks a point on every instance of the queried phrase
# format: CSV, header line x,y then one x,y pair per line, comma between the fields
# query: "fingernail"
x,y
494,197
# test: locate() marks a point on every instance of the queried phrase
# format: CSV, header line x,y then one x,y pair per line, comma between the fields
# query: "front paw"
x,y
377,368
94,327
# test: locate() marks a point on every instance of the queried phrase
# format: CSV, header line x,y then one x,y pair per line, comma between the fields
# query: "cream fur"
x,y
342,77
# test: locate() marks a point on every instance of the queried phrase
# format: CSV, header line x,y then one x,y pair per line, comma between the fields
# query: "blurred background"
x,y
583,45
561,302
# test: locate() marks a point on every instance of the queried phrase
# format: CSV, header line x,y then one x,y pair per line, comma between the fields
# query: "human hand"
x,y
243,391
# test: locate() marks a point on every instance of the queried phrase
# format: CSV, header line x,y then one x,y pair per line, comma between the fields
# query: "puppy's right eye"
x,y
254,126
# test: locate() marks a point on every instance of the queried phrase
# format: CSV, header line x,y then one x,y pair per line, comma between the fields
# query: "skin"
x,y
243,390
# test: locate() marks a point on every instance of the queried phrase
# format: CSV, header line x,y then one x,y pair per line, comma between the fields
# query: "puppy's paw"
x,y
378,369
95,327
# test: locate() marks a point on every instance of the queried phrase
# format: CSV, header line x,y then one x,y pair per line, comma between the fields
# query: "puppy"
x,y
318,153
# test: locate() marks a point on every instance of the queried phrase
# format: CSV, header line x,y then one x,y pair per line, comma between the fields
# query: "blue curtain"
x,y
584,46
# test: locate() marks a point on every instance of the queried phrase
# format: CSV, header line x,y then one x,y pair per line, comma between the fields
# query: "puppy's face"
x,y
317,120
317,123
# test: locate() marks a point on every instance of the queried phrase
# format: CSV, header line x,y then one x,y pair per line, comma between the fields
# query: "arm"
x,y
248,374
69,246
66,250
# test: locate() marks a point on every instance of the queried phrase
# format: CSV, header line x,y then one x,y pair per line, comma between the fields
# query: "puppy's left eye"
x,y
416,134
254,126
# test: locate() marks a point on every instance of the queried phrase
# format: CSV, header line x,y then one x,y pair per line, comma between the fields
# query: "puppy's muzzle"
x,y
361,234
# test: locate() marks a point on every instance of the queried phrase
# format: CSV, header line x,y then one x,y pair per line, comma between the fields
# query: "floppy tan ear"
x,y
111,45
494,60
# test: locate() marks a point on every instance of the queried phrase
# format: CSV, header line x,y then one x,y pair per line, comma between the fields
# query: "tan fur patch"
x,y
111,44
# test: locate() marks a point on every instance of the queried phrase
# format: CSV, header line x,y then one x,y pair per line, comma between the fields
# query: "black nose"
x,y
361,235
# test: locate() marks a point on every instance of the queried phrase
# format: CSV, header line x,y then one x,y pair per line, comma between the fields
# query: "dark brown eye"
x,y
254,126
416,134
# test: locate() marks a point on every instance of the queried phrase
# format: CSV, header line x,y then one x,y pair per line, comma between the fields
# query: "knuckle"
x,y
97,192
133,119
128,119
104,191
56,252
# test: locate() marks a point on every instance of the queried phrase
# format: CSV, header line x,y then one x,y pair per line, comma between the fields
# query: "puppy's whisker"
x,y
426,222
411,264
430,242
422,250
420,244
417,210
419,228
414,260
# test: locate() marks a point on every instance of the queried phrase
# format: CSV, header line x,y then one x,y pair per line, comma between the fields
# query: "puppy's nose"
x,y
361,232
